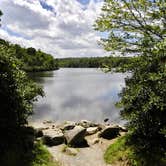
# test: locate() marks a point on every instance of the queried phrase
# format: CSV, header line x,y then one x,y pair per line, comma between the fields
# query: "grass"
x,y
42,156
39,156
119,152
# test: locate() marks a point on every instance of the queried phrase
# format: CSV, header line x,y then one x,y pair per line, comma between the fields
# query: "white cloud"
x,y
63,28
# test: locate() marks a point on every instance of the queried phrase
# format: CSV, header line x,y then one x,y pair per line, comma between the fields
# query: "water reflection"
x,y
39,77
75,94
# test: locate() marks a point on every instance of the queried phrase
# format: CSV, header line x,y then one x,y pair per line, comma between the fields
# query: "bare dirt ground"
x,y
87,156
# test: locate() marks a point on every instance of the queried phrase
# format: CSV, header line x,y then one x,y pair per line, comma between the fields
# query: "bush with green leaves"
x,y
17,94
138,28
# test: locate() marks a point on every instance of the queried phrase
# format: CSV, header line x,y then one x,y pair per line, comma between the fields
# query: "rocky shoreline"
x,y
73,133
80,143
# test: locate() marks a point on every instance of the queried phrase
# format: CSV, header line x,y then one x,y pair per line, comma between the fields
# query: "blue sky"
x,y
63,28
44,4
84,2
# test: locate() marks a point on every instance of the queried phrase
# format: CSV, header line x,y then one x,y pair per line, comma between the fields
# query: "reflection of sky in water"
x,y
75,94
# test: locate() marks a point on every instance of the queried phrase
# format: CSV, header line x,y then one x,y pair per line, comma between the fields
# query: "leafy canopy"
x,y
139,28
17,94
32,59
133,26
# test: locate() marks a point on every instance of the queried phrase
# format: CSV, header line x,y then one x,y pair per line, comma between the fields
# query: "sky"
x,y
63,28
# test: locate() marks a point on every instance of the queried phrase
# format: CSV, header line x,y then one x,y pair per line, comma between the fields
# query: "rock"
x,y
109,132
106,119
47,122
38,132
71,151
101,126
68,125
86,124
123,129
53,126
95,141
75,136
53,137
91,130
43,128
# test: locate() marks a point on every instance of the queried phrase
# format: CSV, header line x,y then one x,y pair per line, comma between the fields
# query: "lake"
x,y
73,94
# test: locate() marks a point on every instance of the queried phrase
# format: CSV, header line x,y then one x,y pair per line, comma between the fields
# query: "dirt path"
x,y
88,156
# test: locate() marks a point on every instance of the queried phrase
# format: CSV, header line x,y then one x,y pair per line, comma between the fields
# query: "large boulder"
x,y
123,129
53,137
86,124
109,132
75,136
92,130
68,125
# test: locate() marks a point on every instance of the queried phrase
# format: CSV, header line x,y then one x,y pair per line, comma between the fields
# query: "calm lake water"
x,y
78,93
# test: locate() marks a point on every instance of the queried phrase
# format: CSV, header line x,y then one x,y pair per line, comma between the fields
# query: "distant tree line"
x,y
96,62
31,60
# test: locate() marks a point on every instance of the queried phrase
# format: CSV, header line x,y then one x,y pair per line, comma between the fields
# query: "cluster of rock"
x,y
74,134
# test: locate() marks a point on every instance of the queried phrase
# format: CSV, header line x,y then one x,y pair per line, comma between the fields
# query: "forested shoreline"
x,y
31,60
96,62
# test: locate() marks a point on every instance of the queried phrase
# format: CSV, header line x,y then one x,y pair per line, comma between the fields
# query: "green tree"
x,y
31,59
17,94
31,51
139,28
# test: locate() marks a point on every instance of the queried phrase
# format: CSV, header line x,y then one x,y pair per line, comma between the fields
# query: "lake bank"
x,y
91,154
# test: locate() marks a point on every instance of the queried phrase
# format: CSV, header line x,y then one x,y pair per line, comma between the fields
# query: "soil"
x,y
86,156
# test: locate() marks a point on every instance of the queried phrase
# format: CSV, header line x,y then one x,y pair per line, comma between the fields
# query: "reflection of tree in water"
x,y
40,77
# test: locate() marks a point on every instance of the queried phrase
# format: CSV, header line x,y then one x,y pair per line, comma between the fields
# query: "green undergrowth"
x,y
120,153
42,156
39,156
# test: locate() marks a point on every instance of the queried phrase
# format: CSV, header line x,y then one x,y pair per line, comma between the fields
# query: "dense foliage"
x,y
32,60
17,94
95,62
139,28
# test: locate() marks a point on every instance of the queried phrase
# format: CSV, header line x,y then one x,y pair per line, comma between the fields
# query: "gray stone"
x,y
106,119
68,125
71,151
53,137
86,124
101,126
123,129
75,136
91,130
47,122
110,132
